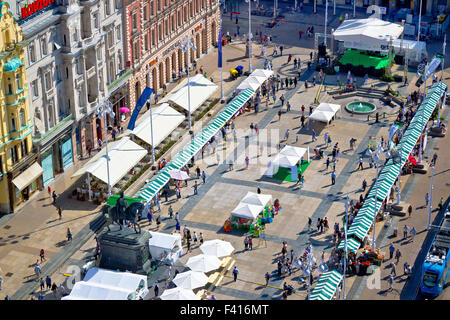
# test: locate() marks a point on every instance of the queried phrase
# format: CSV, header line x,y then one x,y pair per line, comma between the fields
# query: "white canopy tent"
x,y
329,107
288,157
367,34
103,284
165,246
262,73
256,199
322,116
165,119
122,158
250,82
200,90
412,48
260,79
246,211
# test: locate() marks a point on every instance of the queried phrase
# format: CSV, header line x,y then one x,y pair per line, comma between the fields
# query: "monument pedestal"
x,y
125,250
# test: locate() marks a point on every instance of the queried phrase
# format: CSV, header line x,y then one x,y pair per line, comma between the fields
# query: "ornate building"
x,y
20,173
153,29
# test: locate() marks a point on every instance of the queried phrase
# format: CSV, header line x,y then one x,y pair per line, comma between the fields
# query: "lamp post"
x,y
101,111
422,114
250,35
315,6
326,20
441,103
418,33
310,255
347,203
222,4
431,199
186,45
151,122
354,8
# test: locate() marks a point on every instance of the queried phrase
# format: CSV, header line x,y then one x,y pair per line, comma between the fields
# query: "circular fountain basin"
x,y
360,107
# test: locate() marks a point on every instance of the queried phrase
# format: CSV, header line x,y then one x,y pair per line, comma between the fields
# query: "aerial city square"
x,y
224,150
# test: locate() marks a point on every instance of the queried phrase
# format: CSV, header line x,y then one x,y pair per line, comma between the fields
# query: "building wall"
x,y
160,54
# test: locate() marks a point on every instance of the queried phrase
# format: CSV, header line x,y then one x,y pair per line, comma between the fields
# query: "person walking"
x,y
247,161
235,273
156,289
410,210
195,188
37,271
267,276
302,119
42,255
170,211
250,243
246,243
54,196
204,176
391,250
441,203
391,282
325,139
405,232
313,138
398,255
60,212
48,282
333,177
427,199
309,223
360,165
279,115
364,185
69,234
42,284
413,233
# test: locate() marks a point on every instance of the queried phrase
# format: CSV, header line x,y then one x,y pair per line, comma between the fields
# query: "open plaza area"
x,y
321,173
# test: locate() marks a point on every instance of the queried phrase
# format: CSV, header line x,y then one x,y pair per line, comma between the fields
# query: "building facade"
x,y
20,173
153,30
75,61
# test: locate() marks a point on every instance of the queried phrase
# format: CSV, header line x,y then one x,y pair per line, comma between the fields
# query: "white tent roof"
x,y
293,151
247,211
200,90
179,294
285,161
262,73
250,82
165,119
102,284
216,247
256,199
329,107
203,263
260,79
323,116
122,158
190,279
371,31
163,240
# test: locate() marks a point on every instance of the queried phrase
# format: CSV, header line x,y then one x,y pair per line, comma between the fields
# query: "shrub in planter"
x,y
387,78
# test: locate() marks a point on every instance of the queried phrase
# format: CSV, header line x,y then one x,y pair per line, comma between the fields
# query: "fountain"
x,y
360,107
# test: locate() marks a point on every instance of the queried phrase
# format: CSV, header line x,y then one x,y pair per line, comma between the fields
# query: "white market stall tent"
x,y
122,158
103,284
249,83
262,73
256,199
322,116
288,157
165,247
165,119
367,34
246,211
200,90
414,49
329,107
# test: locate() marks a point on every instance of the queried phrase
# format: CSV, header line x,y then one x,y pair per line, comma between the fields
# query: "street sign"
x,y
434,64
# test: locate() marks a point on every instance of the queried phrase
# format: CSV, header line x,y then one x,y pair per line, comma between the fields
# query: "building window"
x,y
34,87
153,37
44,46
18,82
146,13
118,4
173,23
10,91
99,53
152,8
77,65
136,50
146,42
110,38
75,34
119,59
32,53
165,3
159,5
166,27
13,124
107,8
14,154
48,80
185,14
179,18
95,18
134,18
160,32
118,34
22,118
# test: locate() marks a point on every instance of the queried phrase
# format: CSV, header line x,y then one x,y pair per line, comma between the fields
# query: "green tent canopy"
x,y
359,58
327,286
113,200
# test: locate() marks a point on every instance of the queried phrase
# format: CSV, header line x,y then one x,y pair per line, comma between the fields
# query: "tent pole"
x,y
89,186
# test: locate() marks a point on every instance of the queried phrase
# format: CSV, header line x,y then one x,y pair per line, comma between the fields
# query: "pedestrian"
x,y
319,223
288,107
42,255
286,134
195,188
170,211
49,189
69,235
48,282
177,226
54,197
409,210
309,223
246,243
413,233
279,115
247,161
313,138
441,203
158,222
405,231
250,243
267,276
281,50
360,165
302,119
37,271
204,176
333,177
391,250
149,213
393,269
391,282
156,289
195,238
427,199
42,283
398,254
201,238
188,242
364,185
434,159
328,162
235,273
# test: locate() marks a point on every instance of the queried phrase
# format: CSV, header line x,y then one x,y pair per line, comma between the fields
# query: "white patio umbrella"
x,y
179,294
216,247
203,263
178,174
190,280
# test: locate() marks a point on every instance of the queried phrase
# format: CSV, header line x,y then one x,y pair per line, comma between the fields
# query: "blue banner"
x,y
142,100
219,63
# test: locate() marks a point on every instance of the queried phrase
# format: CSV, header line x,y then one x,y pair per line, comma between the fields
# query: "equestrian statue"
x,y
120,212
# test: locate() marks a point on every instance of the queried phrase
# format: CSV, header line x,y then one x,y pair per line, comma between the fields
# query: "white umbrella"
x,y
203,263
179,294
178,175
190,280
218,248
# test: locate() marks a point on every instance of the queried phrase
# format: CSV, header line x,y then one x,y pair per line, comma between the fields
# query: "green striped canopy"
x,y
327,286
352,245
182,158
364,219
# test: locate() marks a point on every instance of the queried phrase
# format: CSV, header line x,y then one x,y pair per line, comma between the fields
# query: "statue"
x,y
121,212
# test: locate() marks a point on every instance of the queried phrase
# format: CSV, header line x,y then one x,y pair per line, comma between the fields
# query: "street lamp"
x,y
431,198
186,45
222,4
354,8
151,121
101,111
326,20
418,33
347,204
250,34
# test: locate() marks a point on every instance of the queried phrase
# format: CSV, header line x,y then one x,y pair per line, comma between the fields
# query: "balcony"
x,y
50,92
90,72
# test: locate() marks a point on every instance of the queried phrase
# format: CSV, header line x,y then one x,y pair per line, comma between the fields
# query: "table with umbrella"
x,y
203,263
190,279
179,293
218,248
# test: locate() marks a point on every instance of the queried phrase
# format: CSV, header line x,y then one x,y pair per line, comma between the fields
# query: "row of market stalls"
x,y
389,173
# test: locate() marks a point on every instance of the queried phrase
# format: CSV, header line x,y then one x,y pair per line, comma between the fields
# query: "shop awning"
x,y
182,158
122,158
28,176
200,90
165,119
327,286
364,219
352,245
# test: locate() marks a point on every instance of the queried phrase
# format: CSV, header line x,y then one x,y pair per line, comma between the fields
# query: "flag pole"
x,y
220,50
151,121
